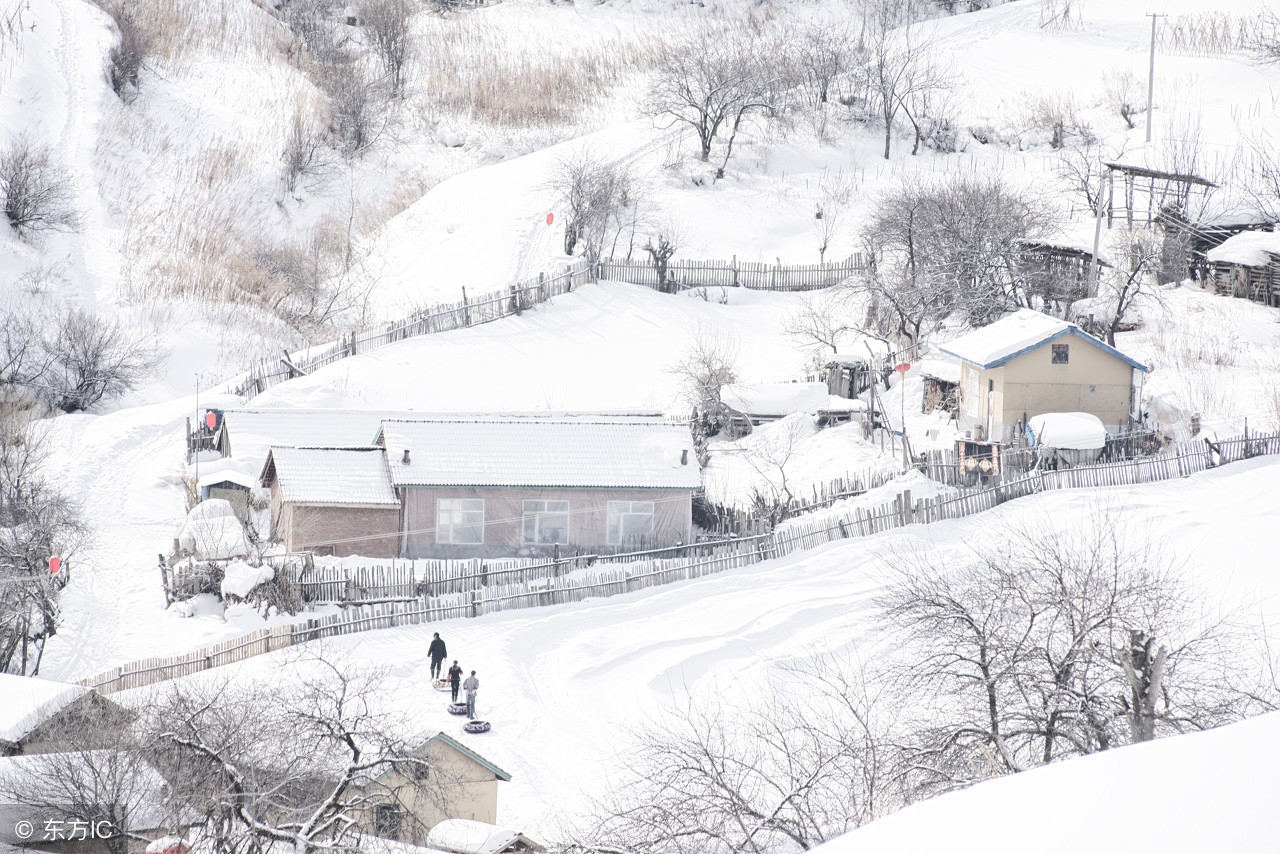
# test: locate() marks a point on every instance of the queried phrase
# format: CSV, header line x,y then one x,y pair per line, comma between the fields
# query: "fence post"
x,y
466,310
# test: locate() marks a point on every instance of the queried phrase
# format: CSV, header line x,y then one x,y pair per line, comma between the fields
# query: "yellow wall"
x,y
455,787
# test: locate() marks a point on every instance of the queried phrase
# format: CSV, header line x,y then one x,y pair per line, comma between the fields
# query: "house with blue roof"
x,y
1029,364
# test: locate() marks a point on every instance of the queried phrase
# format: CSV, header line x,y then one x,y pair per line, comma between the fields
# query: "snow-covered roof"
x,y
541,452
331,475
941,369
474,837
775,399
213,531
227,475
1078,431
1020,332
1250,248
28,701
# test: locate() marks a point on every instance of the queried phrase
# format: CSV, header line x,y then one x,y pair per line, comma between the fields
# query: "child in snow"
x,y
455,679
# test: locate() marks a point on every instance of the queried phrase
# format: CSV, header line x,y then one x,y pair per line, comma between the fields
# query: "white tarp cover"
x,y
470,837
1076,431
774,399
213,531
28,701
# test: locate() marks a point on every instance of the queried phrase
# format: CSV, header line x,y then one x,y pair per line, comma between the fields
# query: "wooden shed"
x,y
334,501
475,486
1247,265
1028,364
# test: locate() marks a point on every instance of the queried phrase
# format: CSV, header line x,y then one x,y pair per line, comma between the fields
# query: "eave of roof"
x,y
1070,330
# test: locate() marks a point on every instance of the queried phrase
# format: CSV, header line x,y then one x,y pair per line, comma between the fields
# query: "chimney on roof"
x,y
405,458
684,456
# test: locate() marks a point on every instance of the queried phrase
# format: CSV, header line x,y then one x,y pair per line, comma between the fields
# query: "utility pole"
x,y
1097,230
1151,72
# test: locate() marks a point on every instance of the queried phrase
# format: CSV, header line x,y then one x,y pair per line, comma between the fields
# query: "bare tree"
x,y
598,196
824,320
797,768
37,521
899,64
715,84
951,247
92,359
1038,647
387,25
96,774
661,245
834,193
37,193
707,366
1124,94
1125,286
300,768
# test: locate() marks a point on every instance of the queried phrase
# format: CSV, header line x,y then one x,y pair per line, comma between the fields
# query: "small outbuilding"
x,y
1247,265
333,501
1065,439
460,836
35,713
1028,364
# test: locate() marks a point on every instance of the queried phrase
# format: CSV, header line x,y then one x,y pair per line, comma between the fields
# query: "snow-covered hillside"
x,y
183,210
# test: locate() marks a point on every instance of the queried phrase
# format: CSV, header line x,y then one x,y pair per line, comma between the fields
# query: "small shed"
x,y
474,837
1247,265
333,501
35,713
455,783
848,376
941,385
762,403
1057,271
499,486
230,484
1028,363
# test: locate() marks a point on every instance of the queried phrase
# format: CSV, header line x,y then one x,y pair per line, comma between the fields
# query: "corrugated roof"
x,y
1023,331
332,475
541,452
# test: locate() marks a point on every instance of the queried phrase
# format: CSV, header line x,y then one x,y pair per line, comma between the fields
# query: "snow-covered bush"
x,y
213,531
36,192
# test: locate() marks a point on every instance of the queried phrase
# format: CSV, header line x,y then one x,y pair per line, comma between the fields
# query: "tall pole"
x,y
1097,233
1151,71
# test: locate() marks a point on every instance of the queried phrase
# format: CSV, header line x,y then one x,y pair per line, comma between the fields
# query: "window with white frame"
x,y
460,520
630,522
546,522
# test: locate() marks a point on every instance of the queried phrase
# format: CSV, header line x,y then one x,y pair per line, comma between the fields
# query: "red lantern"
x,y
902,368
551,218
211,419
55,564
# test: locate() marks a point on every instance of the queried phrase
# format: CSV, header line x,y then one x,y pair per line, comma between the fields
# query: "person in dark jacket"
x,y
455,679
437,653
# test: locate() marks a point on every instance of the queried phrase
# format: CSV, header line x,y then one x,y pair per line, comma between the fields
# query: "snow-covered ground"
x,y
203,137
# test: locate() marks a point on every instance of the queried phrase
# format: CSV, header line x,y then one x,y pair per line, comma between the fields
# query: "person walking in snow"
x,y
471,686
437,653
455,679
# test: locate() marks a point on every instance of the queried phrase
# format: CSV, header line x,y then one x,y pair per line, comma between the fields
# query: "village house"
x,y
1247,265
35,714
454,782
474,487
332,501
1028,364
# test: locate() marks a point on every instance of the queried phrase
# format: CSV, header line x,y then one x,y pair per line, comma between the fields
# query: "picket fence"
x,y
752,275
589,576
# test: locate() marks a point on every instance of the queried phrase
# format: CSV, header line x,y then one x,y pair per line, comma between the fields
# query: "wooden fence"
x,y
512,585
736,274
